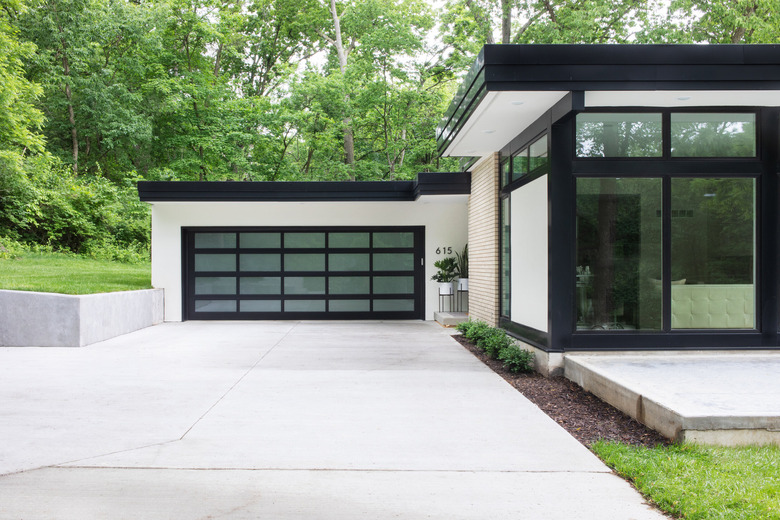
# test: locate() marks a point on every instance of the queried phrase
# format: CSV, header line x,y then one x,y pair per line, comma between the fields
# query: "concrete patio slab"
x,y
286,420
727,398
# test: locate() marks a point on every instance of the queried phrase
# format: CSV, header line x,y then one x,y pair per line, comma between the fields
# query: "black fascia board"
x,y
224,191
567,67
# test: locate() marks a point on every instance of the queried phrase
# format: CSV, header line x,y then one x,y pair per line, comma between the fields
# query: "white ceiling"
x,y
501,116
498,119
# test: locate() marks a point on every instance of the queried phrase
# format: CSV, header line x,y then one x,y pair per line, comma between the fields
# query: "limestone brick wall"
x,y
483,241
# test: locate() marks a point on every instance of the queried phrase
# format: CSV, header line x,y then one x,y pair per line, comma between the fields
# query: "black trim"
x,y
609,67
394,191
529,335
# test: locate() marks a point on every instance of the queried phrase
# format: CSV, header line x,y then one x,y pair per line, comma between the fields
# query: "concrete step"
x,y
450,319
724,399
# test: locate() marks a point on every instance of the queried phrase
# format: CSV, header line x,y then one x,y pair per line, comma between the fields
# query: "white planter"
x,y
445,288
463,284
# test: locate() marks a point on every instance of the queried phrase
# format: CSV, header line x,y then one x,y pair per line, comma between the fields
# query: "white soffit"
x,y
498,119
683,98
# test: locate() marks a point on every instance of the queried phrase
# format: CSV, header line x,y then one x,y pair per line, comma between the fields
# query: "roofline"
x,y
327,191
583,67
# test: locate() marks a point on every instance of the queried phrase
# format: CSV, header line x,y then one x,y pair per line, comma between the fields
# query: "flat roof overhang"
x,y
511,86
227,191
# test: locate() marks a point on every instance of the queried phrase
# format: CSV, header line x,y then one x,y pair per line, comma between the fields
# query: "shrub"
x,y
477,331
517,359
494,341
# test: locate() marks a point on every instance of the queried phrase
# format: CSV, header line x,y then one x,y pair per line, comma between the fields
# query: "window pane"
x,y
505,258
348,262
270,262
539,161
348,240
260,305
304,305
400,239
261,240
304,240
304,262
349,285
215,285
393,284
349,306
304,285
520,164
261,285
713,253
204,262
619,250
713,135
215,306
215,240
506,172
619,135
394,262
393,305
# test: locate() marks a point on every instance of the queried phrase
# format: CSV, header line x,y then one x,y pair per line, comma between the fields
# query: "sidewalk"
x,y
286,420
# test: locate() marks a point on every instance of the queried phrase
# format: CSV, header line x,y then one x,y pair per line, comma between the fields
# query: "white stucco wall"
x,y
529,231
443,216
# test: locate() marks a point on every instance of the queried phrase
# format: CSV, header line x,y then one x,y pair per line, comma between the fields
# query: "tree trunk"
x,y
506,22
74,133
349,138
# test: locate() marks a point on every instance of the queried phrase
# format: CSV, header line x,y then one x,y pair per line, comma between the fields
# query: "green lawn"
x,y
71,274
698,482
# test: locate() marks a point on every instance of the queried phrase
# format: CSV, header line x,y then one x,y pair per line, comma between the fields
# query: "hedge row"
x,y
497,344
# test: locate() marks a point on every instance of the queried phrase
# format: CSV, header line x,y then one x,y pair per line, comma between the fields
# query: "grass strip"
x,y
697,482
71,274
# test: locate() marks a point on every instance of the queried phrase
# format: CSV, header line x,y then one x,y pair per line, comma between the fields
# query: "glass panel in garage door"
x,y
304,285
261,306
349,285
351,240
255,262
215,306
349,305
394,262
261,285
261,240
304,240
394,239
348,262
393,305
302,262
393,285
215,285
304,306
215,240
214,262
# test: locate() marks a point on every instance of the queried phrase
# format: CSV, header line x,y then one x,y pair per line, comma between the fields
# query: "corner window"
x,y
619,135
713,135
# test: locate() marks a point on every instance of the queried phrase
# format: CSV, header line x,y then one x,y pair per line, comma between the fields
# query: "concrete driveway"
x,y
285,420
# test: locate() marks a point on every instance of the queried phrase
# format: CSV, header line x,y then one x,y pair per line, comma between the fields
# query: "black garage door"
x,y
303,273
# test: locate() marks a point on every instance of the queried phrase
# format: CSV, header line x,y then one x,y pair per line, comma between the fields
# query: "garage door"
x,y
303,273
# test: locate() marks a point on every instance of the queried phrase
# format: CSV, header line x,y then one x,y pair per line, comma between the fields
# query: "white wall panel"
x,y
529,225
443,216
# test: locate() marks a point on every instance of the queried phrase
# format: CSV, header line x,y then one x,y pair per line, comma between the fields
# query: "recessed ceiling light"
x,y
684,98
488,131
518,103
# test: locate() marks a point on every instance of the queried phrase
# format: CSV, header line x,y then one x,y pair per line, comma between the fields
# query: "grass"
x,y
697,482
71,274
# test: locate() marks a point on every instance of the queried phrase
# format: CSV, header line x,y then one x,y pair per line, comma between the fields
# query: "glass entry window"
x,y
304,273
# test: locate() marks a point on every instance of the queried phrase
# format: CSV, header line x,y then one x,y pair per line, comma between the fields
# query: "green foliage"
x,y
462,262
447,268
37,268
699,482
517,359
474,330
494,341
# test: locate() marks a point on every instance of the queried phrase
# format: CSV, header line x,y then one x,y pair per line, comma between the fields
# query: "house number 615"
x,y
447,250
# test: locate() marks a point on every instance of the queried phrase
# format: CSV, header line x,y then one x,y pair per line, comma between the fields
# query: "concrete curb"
x,y
32,319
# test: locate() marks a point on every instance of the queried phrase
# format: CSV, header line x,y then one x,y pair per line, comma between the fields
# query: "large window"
x,y
619,247
622,251
713,253
532,159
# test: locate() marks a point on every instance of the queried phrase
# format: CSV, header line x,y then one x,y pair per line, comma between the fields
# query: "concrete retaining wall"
x,y
30,319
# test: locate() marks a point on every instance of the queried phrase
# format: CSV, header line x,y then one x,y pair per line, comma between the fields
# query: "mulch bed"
x,y
582,414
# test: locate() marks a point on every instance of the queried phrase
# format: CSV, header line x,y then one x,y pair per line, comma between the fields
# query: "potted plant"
x,y
462,260
447,268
